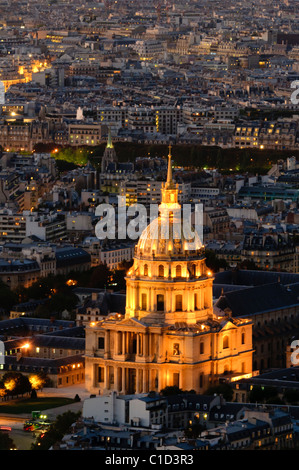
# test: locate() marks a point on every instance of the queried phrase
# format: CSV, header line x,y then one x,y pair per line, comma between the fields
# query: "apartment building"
x,y
80,222
149,49
148,192
51,227
216,220
167,119
204,193
22,135
142,119
16,273
113,254
12,226
86,134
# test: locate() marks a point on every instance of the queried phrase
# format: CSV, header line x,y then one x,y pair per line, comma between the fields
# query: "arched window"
x,y
145,270
243,338
225,342
161,270
179,303
178,271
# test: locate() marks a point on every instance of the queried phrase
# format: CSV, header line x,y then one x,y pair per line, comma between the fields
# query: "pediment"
x,y
227,325
131,322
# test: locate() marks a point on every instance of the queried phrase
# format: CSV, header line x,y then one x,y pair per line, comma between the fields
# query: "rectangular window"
x,y
143,302
101,374
179,303
101,343
176,379
160,303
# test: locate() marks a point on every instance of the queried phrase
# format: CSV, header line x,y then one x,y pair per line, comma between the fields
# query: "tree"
x,y
125,265
256,395
221,389
248,264
3,390
56,431
100,276
194,430
118,279
260,394
6,443
16,383
8,298
291,396
38,380
171,390
213,262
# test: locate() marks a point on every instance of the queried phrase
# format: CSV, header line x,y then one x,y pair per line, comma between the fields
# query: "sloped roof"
x,y
246,277
48,341
263,298
31,363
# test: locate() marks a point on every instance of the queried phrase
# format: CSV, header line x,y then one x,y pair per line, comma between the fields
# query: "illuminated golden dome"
x,y
170,235
167,238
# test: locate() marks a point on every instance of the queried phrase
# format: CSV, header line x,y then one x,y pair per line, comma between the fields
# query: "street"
x,y
21,439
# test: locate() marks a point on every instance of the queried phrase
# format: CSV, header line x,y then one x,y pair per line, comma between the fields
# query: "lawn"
x,y
27,405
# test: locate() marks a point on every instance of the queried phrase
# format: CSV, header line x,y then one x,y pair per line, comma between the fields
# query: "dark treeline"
x,y
191,155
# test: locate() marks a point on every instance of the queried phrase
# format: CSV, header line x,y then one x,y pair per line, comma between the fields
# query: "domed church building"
x,y
170,334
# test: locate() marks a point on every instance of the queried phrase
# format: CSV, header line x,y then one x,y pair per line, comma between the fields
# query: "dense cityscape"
x,y
121,327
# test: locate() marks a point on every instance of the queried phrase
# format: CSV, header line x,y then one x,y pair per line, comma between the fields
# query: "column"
x,y
106,378
118,379
149,300
123,348
127,342
144,386
140,340
119,342
148,344
160,348
107,344
181,381
123,378
137,381
168,304
145,346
